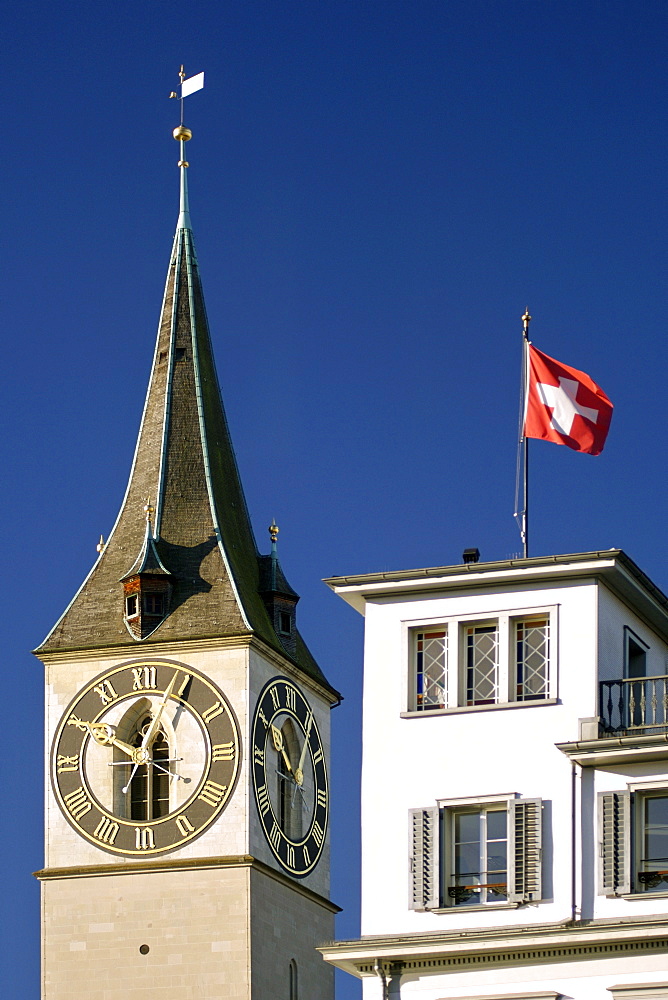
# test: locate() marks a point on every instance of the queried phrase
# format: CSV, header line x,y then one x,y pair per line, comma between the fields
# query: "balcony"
x,y
635,706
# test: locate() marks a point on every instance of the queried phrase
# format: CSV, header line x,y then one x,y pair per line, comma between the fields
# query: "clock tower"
x,y
187,724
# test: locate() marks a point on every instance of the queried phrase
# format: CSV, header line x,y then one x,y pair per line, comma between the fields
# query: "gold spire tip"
x,y
273,530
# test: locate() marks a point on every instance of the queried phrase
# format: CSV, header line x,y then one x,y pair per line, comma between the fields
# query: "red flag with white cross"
x,y
564,405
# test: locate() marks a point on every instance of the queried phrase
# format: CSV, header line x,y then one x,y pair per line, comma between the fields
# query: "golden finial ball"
x,y
182,133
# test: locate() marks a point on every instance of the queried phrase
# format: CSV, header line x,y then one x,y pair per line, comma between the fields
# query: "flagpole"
x,y
526,319
522,466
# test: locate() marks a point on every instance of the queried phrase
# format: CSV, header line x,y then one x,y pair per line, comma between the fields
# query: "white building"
x,y
514,781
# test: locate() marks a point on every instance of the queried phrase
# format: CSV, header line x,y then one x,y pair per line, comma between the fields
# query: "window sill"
x,y
459,709
474,909
631,896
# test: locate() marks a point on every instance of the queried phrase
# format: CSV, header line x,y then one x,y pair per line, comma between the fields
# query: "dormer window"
x,y
131,606
154,604
285,623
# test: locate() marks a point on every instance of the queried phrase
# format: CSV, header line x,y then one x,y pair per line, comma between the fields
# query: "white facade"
x,y
511,801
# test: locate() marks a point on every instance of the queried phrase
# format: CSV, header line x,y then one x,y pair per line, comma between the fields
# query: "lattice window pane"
x,y
430,669
482,661
533,658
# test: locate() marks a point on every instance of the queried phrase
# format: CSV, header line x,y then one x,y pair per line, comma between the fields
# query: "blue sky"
x,y
378,190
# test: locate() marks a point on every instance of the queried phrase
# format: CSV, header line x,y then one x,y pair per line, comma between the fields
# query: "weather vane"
x,y
188,87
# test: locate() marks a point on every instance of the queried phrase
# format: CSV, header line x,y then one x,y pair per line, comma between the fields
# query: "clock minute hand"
x,y
152,730
299,774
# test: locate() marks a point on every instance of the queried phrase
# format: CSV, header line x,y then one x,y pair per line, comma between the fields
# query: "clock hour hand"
x,y
105,736
279,746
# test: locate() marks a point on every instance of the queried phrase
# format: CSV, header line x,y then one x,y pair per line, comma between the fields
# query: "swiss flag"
x,y
565,406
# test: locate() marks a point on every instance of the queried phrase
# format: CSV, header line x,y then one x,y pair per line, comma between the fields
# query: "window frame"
x,y
455,659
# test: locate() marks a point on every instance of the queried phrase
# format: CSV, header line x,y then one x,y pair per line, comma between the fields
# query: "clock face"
x,y
289,776
145,757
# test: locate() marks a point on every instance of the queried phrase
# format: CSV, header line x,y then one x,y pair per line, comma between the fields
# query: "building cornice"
x,y
617,750
182,649
187,864
612,566
537,944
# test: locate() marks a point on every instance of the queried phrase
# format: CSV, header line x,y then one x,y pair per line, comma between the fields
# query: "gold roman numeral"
x,y
211,713
144,839
318,834
212,793
275,836
224,751
79,723
258,756
184,825
290,698
67,763
78,803
263,799
106,692
263,719
321,798
145,678
274,697
290,859
317,756
184,685
307,856
106,831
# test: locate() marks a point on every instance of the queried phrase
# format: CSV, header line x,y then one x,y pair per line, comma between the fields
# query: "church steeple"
x,y
201,535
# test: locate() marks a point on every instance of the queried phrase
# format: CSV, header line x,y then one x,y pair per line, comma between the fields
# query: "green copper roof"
x,y
185,464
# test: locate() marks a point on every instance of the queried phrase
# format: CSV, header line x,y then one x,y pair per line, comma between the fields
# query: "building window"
x,y
285,622
475,854
131,605
471,664
294,986
430,665
154,604
482,664
479,863
633,834
532,658
149,789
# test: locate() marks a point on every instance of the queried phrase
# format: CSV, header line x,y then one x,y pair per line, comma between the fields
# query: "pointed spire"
x,y
197,531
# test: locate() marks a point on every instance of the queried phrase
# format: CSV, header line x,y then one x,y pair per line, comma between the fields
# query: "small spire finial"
x,y
273,532
100,544
526,319
149,510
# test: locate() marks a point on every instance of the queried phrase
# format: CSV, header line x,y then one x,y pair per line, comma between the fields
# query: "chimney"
x,y
471,555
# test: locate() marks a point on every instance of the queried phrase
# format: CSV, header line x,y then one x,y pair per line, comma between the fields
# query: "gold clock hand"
x,y
150,734
153,728
299,774
279,747
105,736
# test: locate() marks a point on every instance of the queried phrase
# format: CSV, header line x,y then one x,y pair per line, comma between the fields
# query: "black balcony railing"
x,y
633,704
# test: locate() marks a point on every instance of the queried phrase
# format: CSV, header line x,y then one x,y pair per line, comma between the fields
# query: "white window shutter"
x,y
424,859
614,834
525,820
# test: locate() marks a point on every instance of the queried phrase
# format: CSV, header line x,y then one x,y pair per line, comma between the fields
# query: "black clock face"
x,y
290,776
145,757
